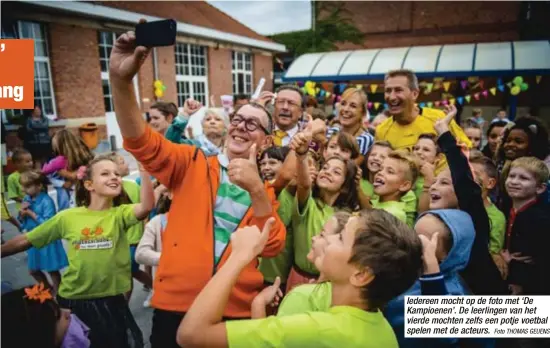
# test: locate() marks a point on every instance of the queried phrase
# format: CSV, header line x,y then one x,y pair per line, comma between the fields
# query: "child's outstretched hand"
x,y
429,248
248,242
300,142
442,125
270,296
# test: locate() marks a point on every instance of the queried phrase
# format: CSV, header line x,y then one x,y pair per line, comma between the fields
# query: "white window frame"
x,y
105,74
236,58
191,79
46,60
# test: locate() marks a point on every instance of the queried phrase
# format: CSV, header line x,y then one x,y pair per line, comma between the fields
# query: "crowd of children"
x,y
367,223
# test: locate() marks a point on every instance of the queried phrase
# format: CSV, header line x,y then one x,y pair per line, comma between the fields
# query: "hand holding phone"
x,y
156,34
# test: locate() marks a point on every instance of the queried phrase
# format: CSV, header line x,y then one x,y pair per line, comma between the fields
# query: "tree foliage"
x,y
333,25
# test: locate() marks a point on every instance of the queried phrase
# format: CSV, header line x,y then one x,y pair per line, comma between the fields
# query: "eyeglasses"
x,y
249,123
291,103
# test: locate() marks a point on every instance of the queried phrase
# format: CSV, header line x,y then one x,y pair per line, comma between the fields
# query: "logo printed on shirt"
x,y
92,240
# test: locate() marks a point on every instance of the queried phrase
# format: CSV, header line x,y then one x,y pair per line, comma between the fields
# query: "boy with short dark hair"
x,y
343,145
22,160
527,237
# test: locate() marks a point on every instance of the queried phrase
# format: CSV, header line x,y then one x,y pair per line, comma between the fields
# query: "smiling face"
x,y
426,150
334,149
24,163
494,138
105,180
442,192
159,122
240,138
351,111
332,176
335,263
392,178
516,144
213,125
269,167
376,157
474,134
521,184
288,109
399,96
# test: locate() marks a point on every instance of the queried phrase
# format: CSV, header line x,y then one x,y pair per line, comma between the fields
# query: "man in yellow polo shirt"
x,y
407,120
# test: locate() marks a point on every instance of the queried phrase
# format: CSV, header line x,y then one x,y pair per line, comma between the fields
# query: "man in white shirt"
x,y
502,115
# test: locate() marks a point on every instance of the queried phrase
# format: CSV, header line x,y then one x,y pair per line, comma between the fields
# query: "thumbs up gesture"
x,y
243,172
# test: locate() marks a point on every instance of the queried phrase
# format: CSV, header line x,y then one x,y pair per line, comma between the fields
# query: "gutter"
x,y
99,11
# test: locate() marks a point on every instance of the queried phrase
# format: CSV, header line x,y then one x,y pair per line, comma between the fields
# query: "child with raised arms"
x,y
374,259
94,284
334,189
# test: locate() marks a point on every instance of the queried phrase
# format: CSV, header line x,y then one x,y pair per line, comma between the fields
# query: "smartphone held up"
x,y
156,34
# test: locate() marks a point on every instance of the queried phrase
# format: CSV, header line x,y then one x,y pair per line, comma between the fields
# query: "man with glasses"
x,y
289,109
212,197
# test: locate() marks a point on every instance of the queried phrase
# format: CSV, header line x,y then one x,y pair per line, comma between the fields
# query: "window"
x,y
106,41
242,73
191,75
43,87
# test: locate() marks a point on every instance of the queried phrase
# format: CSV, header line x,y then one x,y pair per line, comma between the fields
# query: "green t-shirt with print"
x,y
395,208
307,298
135,232
410,204
279,266
98,251
498,228
340,326
15,190
419,186
306,223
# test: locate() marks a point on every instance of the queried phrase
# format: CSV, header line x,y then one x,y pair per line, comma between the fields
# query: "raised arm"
x,y
147,196
124,63
146,253
300,145
202,326
58,163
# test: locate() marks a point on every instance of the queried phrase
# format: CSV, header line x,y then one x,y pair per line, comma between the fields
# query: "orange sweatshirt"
x,y
187,260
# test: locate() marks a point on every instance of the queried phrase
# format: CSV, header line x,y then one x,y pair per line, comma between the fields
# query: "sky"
x,y
269,17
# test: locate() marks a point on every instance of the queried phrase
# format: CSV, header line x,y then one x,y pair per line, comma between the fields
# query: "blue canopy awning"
x,y
477,59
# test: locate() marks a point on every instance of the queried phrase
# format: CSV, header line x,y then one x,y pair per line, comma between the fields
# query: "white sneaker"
x,y
147,302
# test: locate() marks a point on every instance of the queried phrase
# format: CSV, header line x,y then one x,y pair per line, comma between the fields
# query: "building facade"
x,y
214,55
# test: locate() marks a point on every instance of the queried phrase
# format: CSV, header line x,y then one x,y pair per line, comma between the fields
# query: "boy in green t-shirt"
x,y
486,174
373,245
22,160
393,184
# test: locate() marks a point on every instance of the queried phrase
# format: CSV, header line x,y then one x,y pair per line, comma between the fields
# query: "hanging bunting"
x,y
501,88
369,105
481,84
429,87
436,103
464,84
359,86
538,78
476,96
376,105
509,84
385,106
485,93
422,105
446,85
460,100
342,87
493,90
468,97
499,82
328,95
444,102
373,88
429,104
452,101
